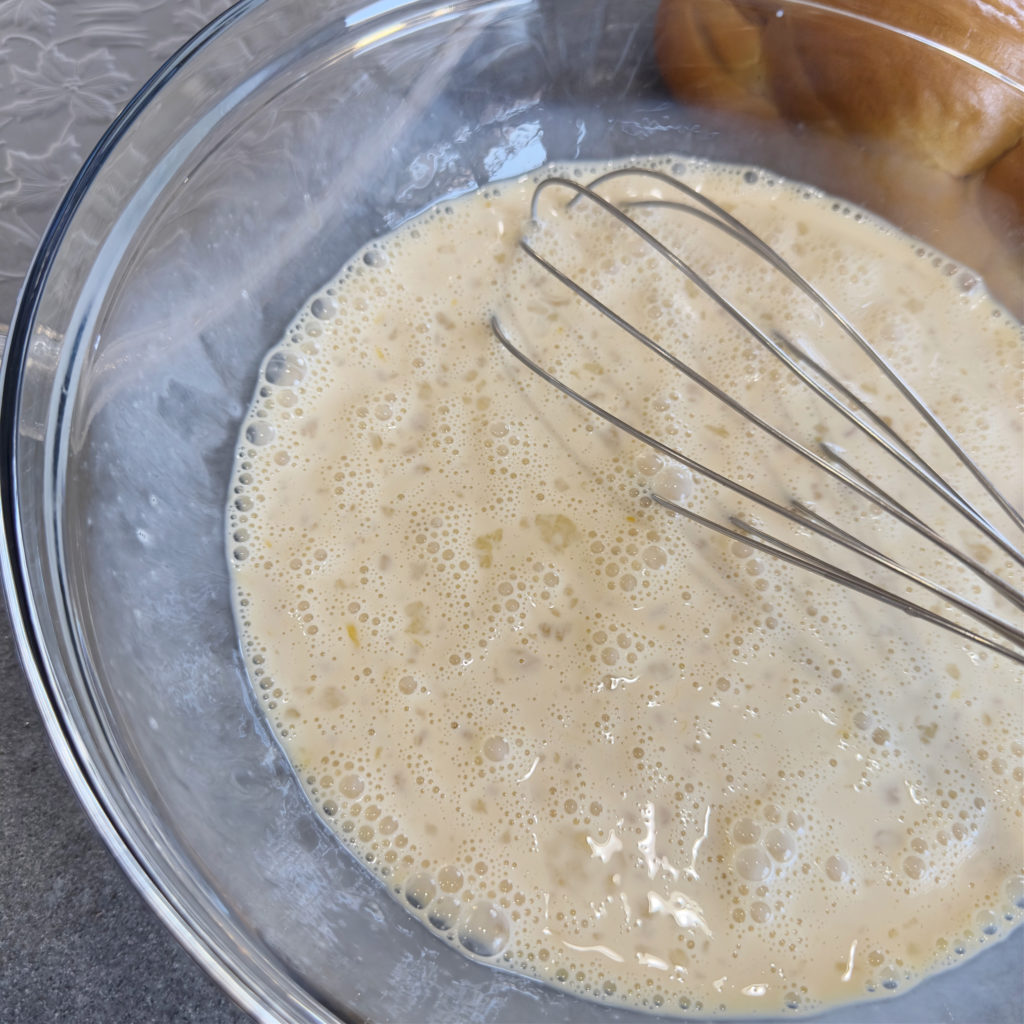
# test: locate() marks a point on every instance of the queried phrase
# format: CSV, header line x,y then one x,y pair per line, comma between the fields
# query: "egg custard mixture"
x,y
579,736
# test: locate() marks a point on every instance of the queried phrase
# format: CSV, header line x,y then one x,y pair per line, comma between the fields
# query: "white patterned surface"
x,y
67,68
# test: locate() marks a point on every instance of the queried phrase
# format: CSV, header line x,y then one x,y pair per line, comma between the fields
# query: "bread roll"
x,y
932,142
828,69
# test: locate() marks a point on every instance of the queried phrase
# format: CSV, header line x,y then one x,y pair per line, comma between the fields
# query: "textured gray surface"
x,y
77,943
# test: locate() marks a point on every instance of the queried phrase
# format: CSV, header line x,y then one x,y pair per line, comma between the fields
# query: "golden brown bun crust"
x,y
832,71
943,159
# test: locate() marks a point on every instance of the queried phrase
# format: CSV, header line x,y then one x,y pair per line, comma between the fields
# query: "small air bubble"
x,y
444,913
753,864
746,832
284,369
323,309
420,891
260,433
485,931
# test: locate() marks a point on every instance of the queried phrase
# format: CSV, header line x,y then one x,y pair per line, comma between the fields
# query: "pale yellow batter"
x,y
579,736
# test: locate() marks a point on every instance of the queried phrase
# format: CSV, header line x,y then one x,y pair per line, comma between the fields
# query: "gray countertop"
x,y
77,943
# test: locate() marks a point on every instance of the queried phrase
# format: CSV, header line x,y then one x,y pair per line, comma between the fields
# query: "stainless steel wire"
x,y
1005,638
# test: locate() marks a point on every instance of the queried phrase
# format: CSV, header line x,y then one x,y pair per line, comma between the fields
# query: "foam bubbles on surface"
x,y
575,735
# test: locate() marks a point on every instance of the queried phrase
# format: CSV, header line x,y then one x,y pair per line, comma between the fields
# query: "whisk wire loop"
x,y
741,232
796,514
763,541
862,416
874,427
832,461
856,482
846,539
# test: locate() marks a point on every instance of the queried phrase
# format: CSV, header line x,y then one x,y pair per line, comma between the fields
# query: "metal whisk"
x,y
1003,637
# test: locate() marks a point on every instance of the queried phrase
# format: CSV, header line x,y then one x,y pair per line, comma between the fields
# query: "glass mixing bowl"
x,y
254,163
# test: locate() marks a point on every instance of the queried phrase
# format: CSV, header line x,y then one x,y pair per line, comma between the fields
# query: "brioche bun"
x,y
924,138
826,68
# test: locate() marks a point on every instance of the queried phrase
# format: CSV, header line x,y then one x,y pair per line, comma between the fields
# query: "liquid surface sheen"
x,y
579,736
